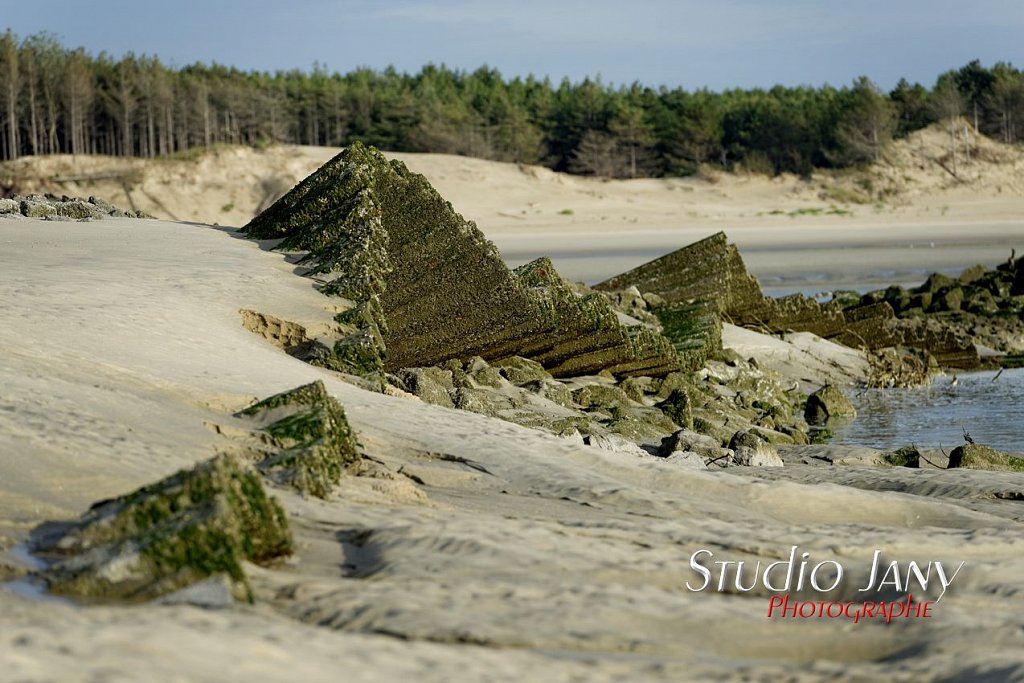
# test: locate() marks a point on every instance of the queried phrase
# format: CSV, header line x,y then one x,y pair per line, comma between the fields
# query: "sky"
x,y
717,44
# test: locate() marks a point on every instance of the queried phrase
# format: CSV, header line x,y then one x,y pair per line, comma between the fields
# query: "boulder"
x,y
827,403
551,389
678,408
483,374
36,208
432,385
908,456
520,371
684,440
948,300
482,401
976,456
197,523
937,282
636,388
601,396
753,451
972,274
312,442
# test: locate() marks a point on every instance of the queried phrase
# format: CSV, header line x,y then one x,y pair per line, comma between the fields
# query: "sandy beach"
x,y
124,357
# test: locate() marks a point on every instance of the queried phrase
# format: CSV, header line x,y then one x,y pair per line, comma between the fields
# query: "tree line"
x,y
58,100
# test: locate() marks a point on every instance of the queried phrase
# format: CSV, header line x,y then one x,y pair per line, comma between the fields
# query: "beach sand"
x,y
124,356
818,233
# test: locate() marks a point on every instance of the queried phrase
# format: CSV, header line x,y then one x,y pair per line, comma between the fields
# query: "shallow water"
x,y
990,409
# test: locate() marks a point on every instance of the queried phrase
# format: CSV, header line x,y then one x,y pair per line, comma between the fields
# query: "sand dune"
x,y
895,222
123,344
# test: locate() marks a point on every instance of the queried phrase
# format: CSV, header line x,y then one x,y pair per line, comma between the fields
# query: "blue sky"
x,y
718,44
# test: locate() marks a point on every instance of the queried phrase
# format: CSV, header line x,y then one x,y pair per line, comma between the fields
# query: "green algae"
x,y
196,523
428,287
908,456
980,457
313,441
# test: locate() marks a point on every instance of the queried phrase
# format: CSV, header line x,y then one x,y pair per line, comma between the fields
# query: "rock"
x,y
897,368
1018,280
587,336
828,403
972,274
63,208
799,436
678,408
482,401
771,436
908,456
433,288
753,451
636,388
922,300
520,371
482,373
192,525
937,282
948,300
312,440
551,389
980,457
710,271
77,209
714,425
981,302
686,441
640,425
600,396
432,385
33,208
671,382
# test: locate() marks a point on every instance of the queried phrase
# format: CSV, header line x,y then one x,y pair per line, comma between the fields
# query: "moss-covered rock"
x,y
936,282
678,408
975,456
432,385
160,538
828,403
949,300
313,442
751,450
685,441
32,208
636,388
551,389
431,288
482,401
483,374
972,274
520,371
600,396
908,456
